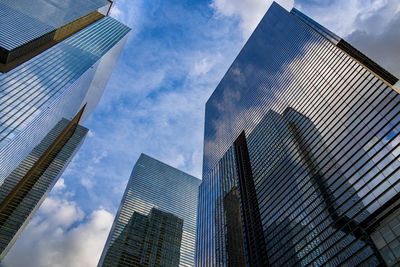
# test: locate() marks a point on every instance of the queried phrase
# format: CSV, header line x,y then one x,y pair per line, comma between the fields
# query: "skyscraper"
x,y
156,222
301,148
55,60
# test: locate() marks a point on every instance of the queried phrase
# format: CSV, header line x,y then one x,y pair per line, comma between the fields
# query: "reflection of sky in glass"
x,y
293,193
24,20
255,81
211,229
324,141
24,205
102,75
52,85
45,77
155,184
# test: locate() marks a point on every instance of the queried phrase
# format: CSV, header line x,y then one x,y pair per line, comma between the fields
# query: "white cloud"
x,y
345,16
99,156
250,12
61,212
60,185
86,242
143,110
197,160
88,179
129,14
87,183
117,13
378,36
372,26
90,133
177,161
204,65
49,239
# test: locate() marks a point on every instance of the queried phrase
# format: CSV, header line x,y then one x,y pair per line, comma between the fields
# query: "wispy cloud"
x,y
177,53
129,12
60,185
250,12
154,104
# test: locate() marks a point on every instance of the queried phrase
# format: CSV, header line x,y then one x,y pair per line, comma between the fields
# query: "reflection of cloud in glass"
x,y
322,133
256,81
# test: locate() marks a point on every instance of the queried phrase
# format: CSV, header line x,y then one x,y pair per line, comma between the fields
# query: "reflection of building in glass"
x,y
55,60
307,129
164,237
234,235
153,240
386,237
20,198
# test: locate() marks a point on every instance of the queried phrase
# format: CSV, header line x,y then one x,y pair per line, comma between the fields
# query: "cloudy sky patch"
x,y
175,56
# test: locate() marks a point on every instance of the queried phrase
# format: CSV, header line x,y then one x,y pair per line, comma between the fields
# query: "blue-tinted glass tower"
x,y
156,222
55,60
302,150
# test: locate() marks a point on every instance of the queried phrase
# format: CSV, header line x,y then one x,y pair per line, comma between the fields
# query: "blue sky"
x,y
175,56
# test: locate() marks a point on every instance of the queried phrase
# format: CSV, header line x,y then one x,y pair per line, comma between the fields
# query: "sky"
x,y
176,54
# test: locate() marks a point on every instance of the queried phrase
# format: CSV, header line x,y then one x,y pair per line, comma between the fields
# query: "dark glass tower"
x,y
156,221
302,149
153,240
55,60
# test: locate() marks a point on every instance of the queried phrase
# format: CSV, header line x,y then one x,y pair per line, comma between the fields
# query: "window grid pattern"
x,y
27,90
387,239
152,240
37,94
323,139
211,233
22,21
153,185
12,224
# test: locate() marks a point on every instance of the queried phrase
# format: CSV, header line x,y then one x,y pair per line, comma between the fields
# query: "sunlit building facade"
x,y
55,60
156,222
301,150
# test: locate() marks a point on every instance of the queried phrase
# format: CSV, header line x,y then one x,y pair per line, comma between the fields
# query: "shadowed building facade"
x,y
153,240
55,60
156,222
304,130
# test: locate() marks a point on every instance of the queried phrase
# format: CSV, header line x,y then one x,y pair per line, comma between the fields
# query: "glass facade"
x,y
153,240
306,129
29,184
26,24
44,98
156,221
53,85
386,238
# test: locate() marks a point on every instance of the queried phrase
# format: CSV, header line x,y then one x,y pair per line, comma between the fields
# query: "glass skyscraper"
x,y
301,150
156,222
55,60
